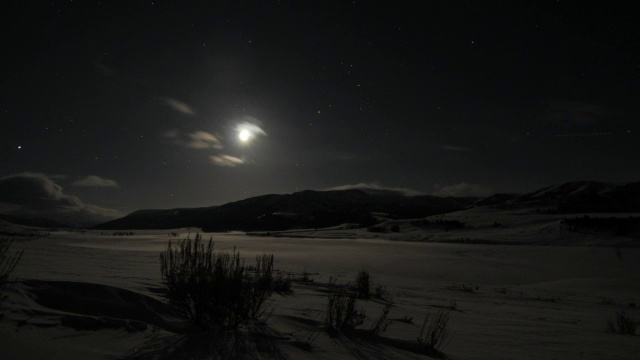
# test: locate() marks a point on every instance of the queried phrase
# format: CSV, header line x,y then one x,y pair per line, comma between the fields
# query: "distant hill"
x,y
317,209
305,209
575,197
496,199
32,221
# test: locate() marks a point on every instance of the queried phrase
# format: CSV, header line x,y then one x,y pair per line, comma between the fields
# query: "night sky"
x,y
110,107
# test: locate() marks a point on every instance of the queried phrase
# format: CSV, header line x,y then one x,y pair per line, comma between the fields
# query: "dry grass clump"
x,y
281,283
342,312
435,330
215,290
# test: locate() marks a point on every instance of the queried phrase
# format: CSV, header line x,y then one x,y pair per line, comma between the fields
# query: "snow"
x,y
85,295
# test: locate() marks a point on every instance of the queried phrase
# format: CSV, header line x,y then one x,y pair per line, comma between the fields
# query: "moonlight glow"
x,y
244,135
247,131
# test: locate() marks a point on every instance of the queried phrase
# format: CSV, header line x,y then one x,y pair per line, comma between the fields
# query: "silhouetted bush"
x,y
363,284
342,312
624,324
282,284
8,263
434,332
380,292
215,291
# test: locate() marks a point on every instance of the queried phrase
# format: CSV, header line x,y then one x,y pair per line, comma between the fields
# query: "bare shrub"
x,y
434,332
342,312
380,292
363,284
259,286
282,284
215,290
623,324
8,262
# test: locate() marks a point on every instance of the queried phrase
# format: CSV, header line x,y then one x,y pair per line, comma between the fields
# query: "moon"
x,y
244,135
247,131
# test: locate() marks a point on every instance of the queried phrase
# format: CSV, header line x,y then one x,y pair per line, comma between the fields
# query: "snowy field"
x,y
505,302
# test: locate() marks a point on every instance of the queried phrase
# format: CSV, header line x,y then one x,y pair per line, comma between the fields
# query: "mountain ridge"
x,y
576,197
317,209
306,208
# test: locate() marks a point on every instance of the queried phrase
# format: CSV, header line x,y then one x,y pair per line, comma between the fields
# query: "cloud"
x,y
226,160
179,106
95,181
34,190
377,187
454,148
463,189
195,140
203,140
33,194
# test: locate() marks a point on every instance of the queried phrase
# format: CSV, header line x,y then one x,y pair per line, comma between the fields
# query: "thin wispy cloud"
x,y
94,181
203,140
179,106
37,174
247,126
376,187
195,140
226,160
